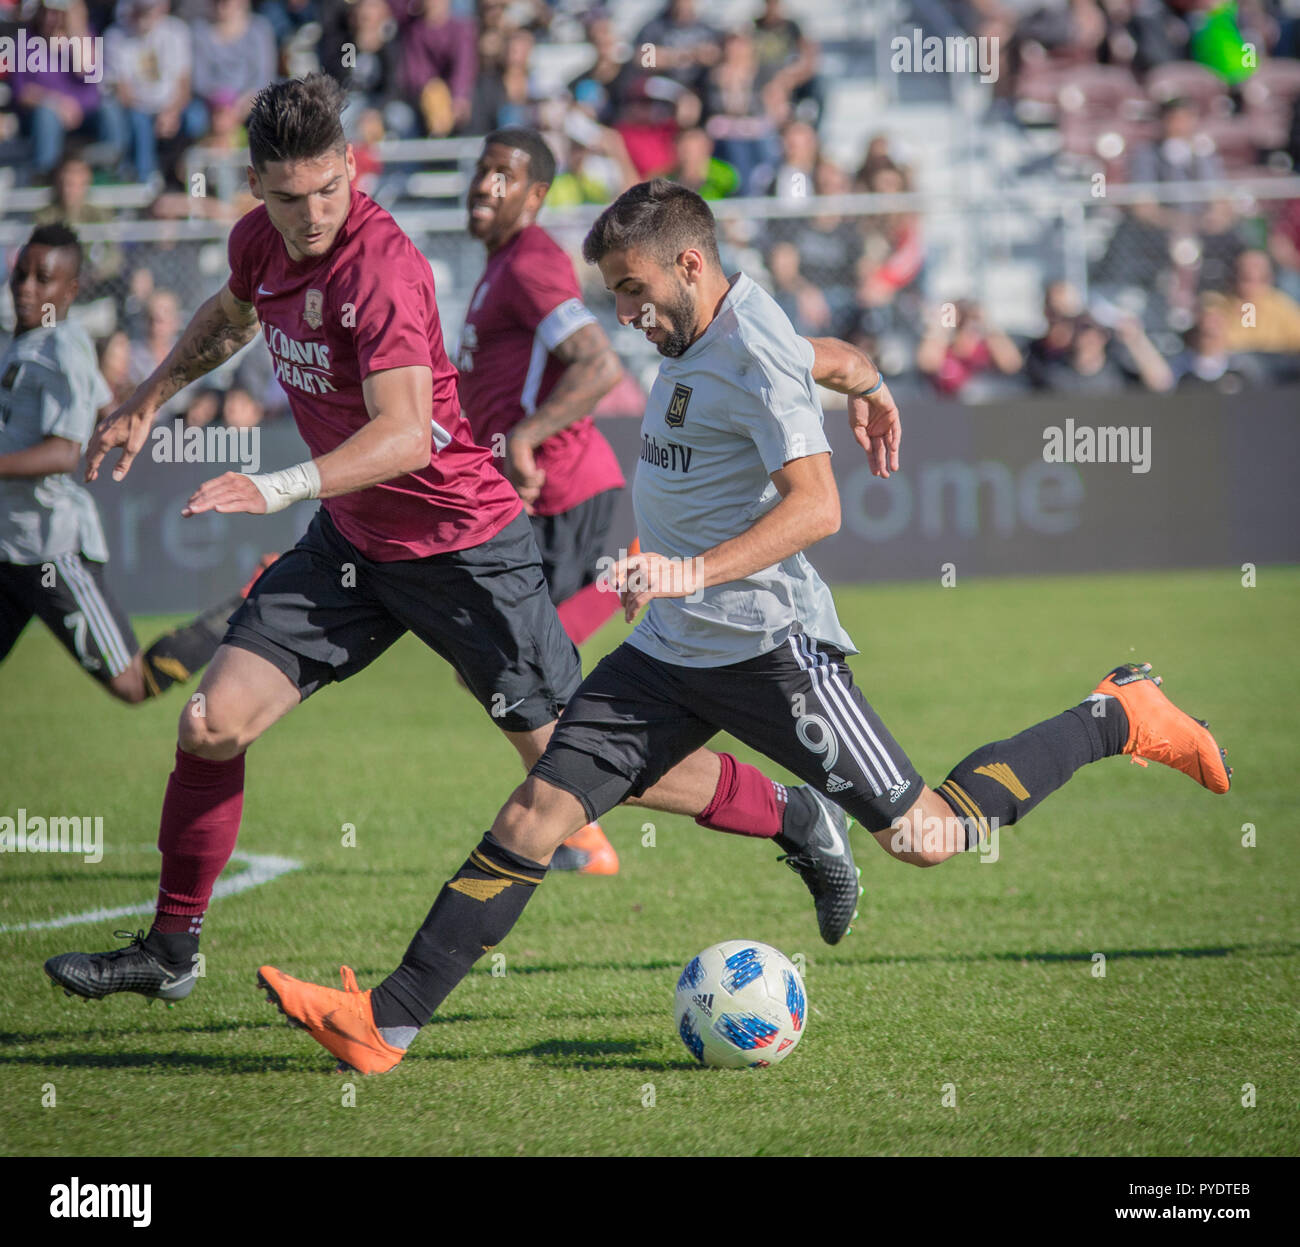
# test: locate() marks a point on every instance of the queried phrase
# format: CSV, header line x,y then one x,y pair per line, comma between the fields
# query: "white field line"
x,y
262,868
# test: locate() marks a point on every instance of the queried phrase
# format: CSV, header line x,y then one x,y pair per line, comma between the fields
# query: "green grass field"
x,y
976,979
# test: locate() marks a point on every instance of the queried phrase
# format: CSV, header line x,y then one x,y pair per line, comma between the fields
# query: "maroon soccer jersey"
x,y
525,304
330,321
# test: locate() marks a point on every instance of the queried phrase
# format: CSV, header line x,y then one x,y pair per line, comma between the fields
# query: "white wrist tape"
x,y
295,484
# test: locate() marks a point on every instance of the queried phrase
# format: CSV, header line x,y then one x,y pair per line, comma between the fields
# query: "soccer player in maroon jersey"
x,y
533,364
418,531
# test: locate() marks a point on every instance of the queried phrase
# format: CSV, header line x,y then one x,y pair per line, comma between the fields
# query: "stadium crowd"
x,y
1145,91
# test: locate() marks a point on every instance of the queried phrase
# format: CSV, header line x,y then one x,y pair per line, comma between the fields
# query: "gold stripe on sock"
x,y
500,871
962,798
1001,773
151,685
479,889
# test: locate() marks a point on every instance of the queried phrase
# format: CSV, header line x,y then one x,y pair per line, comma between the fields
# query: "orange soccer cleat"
x,y
1160,732
341,1021
588,851
262,564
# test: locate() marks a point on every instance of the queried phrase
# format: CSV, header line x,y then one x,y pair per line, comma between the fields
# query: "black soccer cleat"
x,y
131,969
826,865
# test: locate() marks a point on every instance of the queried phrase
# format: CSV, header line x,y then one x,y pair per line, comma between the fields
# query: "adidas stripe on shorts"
x,y
635,717
69,595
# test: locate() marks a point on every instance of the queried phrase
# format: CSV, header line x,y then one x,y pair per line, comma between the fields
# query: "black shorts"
x,y
68,594
324,611
634,718
573,543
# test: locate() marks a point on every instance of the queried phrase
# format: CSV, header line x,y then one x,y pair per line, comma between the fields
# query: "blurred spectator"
x,y
439,66
700,170
597,169
288,17
1284,247
228,196
800,153
494,25
741,121
878,157
363,55
603,88
1092,364
1182,153
162,327
797,297
147,59
679,45
234,58
367,133
114,352
71,182
1073,32
893,256
1258,317
55,103
829,247
953,357
657,110
787,62
1061,308
1207,361
506,97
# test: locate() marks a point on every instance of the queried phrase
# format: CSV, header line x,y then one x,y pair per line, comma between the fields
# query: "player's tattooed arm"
x,y
219,328
222,326
591,370
873,417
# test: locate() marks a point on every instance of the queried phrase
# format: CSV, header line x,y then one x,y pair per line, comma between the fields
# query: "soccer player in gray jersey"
x,y
52,549
740,634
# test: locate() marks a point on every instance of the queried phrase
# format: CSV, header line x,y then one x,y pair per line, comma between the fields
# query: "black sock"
x,y
175,656
472,915
1006,779
176,951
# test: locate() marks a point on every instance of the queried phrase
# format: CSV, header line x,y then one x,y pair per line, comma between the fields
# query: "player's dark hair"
x,y
61,235
541,160
297,119
659,217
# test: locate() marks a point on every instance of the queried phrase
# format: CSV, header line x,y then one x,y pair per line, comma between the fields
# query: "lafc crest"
x,y
676,416
313,309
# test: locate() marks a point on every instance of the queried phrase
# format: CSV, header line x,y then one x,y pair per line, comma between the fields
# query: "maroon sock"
x,y
746,802
200,823
587,611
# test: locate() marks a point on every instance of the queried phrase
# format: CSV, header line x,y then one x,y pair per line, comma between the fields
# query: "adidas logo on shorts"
x,y
836,784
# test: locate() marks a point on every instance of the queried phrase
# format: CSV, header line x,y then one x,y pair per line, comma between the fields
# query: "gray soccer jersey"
x,y
735,407
50,385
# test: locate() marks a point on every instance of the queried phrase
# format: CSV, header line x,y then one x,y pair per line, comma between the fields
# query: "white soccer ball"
x,y
741,1004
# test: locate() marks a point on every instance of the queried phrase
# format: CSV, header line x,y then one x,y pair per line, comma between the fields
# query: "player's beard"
x,y
682,321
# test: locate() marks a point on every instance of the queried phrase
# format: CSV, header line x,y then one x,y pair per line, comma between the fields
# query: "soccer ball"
x,y
741,1003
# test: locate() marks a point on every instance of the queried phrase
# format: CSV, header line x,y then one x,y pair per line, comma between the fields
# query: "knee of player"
x,y
205,732
537,818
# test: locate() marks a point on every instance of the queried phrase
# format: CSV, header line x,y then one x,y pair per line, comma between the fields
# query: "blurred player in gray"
x,y
52,549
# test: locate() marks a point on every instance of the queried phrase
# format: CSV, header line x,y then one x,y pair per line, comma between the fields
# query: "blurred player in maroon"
x,y
418,532
533,365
